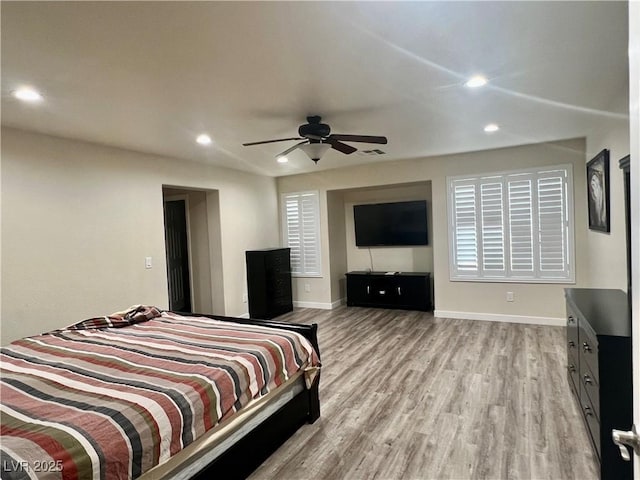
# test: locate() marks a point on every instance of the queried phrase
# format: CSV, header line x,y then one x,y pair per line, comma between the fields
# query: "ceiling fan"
x,y
317,139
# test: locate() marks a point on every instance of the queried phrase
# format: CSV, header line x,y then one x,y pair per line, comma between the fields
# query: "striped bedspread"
x,y
111,403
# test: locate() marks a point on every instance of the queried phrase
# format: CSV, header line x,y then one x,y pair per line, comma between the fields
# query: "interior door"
x,y
177,251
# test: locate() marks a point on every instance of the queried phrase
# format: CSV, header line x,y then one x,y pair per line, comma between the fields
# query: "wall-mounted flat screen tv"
x,y
391,224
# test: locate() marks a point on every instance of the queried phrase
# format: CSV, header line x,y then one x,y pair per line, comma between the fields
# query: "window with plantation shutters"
x,y
301,232
512,226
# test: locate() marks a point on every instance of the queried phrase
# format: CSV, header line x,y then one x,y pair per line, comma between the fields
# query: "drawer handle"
x,y
587,410
368,290
587,379
399,291
585,347
572,344
382,292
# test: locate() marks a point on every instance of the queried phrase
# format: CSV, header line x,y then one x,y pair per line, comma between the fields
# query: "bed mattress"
x,y
112,397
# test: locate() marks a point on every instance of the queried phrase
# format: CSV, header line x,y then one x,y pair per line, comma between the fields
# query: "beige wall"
x,y
78,219
540,302
607,266
338,243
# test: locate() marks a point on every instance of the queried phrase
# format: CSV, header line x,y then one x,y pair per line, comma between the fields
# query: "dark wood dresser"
x,y
269,282
599,370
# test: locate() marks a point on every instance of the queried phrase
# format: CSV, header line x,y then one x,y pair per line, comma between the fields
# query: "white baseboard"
x,y
497,317
337,303
322,306
319,305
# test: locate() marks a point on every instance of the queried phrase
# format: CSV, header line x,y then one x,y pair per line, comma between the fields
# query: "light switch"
x,y
147,262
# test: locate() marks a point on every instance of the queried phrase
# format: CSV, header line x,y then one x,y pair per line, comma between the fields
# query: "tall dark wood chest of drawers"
x,y
599,370
269,282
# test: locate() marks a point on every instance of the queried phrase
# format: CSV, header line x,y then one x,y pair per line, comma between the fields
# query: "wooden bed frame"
x,y
240,460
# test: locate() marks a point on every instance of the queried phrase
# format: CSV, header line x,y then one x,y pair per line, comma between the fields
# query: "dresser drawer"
x,y
573,371
572,332
573,355
593,425
591,388
588,347
572,325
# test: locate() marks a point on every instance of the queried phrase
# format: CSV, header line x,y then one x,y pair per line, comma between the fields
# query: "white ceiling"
x,y
151,76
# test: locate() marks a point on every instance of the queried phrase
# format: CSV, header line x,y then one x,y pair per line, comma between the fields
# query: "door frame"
x,y
185,198
634,150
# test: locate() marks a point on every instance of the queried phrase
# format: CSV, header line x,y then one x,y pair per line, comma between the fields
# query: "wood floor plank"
x,y
405,395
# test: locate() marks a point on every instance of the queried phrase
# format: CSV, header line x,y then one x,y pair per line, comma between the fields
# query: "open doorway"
x,y
176,234
193,249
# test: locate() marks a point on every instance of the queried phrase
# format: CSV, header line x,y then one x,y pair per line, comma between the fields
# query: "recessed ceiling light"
x,y
476,81
203,139
492,127
27,94
282,159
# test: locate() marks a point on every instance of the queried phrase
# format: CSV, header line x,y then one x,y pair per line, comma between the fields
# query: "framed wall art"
x,y
598,192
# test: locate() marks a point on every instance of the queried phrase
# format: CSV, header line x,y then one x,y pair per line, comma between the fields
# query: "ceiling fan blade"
x,y
271,141
359,138
341,147
290,149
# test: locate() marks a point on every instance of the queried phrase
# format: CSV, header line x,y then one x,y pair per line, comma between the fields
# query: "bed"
x,y
148,394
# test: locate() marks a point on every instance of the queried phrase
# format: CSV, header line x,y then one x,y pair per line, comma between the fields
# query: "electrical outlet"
x,y
307,287
148,262
509,296
244,298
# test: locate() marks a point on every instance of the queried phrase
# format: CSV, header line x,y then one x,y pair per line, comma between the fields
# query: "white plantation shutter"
x,y
491,210
301,222
521,225
466,240
552,219
512,226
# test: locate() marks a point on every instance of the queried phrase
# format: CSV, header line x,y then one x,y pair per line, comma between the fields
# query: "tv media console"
x,y
401,290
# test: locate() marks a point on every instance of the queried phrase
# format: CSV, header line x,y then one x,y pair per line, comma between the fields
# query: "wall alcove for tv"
x,y
346,256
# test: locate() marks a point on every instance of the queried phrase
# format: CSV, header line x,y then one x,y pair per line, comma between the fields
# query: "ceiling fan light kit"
x,y
317,139
315,151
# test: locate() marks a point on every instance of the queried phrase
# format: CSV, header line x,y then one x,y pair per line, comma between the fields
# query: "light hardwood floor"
x,y
405,395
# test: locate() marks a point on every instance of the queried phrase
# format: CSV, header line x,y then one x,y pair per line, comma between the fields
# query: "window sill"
x,y
306,275
566,281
